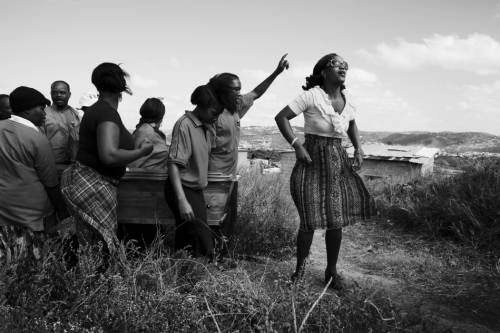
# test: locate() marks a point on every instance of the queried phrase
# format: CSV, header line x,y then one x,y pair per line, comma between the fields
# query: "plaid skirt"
x,y
328,193
92,200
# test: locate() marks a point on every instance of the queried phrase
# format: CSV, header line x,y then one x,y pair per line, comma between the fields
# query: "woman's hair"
x,y
315,79
152,111
204,96
109,77
220,83
221,86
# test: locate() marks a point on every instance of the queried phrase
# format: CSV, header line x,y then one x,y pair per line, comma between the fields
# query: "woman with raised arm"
x,y
90,185
224,154
188,173
324,184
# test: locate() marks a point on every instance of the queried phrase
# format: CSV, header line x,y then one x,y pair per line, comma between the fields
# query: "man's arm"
x,y
264,85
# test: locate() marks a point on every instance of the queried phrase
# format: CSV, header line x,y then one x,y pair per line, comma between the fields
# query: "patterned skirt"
x,y
92,200
328,193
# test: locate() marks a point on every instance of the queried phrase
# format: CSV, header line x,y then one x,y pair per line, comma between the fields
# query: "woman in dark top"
x,y
89,186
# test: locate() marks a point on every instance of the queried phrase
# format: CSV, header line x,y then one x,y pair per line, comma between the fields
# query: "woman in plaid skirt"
x,y
325,186
89,186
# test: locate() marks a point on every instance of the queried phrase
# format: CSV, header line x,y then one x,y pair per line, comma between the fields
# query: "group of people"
x,y
57,163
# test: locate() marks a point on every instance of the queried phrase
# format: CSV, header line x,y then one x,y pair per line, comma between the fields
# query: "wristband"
x,y
293,141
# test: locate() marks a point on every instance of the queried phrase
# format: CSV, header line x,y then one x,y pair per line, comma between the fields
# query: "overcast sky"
x,y
414,65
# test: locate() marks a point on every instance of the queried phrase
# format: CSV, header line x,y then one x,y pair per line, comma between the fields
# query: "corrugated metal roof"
x,y
411,154
373,151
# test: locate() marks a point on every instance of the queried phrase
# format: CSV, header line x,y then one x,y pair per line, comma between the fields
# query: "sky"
x,y
413,65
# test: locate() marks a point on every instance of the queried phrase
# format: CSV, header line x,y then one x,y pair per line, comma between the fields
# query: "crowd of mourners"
x,y
62,166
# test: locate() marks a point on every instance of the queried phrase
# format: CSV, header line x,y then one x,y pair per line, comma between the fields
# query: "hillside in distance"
x,y
451,142
448,141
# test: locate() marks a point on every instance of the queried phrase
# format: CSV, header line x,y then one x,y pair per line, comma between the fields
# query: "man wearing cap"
x,y
61,125
28,179
5,111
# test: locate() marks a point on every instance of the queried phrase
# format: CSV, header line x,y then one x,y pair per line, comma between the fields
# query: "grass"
x,y
463,207
267,219
442,276
159,292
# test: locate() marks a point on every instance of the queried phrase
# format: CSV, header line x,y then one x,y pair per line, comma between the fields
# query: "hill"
x,y
451,142
447,141
269,137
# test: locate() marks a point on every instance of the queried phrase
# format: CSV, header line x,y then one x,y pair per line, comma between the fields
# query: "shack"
x,y
400,164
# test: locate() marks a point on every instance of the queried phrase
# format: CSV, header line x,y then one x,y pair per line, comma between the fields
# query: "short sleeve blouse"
x,y
88,153
320,118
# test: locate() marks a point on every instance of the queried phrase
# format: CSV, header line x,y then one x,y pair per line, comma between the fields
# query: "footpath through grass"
x,y
405,273
396,282
437,285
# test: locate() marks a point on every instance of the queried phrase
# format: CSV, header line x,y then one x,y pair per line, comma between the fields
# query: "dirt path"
x,y
449,287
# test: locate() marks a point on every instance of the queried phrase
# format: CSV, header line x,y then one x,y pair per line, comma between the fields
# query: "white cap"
x,y
88,99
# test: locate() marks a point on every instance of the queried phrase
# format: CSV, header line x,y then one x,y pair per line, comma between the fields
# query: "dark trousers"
x,y
194,235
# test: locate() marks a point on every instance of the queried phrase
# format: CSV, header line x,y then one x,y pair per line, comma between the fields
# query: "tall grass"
x,y
267,218
465,207
159,292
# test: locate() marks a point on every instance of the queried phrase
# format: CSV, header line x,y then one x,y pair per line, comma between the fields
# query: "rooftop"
x,y
411,154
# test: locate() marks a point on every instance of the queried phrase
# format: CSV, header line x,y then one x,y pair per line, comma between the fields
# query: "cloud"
x,y
141,82
300,71
379,108
358,76
476,109
482,99
497,15
476,53
254,74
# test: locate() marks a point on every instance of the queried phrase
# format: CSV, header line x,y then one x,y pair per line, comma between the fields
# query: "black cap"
x,y
24,98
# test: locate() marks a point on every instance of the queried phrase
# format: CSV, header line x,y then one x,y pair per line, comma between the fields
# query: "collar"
x,y
51,107
325,95
197,122
23,121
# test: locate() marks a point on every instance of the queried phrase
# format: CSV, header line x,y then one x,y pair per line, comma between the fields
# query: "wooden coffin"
x,y
141,199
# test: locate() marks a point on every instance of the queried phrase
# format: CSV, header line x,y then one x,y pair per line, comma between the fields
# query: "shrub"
x,y
267,218
465,207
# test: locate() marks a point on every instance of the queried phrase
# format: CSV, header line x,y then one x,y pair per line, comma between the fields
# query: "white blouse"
x,y
320,117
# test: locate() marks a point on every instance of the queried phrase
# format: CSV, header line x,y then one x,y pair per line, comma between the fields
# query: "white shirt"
x,y
320,117
23,121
